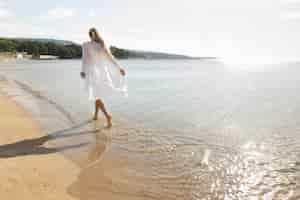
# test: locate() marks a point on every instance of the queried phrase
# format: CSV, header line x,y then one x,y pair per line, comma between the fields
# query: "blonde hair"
x,y
94,35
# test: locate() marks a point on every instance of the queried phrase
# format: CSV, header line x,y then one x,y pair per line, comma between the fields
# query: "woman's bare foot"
x,y
95,117
109,124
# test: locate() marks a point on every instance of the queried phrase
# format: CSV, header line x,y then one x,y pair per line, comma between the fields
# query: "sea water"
x,y
189,129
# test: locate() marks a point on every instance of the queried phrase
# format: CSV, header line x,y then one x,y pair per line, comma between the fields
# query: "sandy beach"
x,y
28,169
7,59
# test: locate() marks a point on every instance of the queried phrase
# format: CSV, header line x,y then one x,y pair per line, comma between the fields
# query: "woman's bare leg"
x,y
96,111
100,104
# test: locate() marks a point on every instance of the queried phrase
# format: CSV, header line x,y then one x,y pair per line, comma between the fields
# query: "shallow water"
x,y
188,130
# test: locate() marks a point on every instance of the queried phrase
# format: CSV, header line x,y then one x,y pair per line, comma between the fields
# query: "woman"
x,y
101,72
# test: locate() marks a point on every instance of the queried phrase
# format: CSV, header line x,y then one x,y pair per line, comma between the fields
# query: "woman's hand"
x,y
82,75
122,71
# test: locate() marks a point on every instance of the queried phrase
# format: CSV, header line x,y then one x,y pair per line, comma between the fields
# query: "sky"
x,y
249,30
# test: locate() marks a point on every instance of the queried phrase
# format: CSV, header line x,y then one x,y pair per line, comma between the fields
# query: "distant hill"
x,y
69,49
155,55
42,40
140,54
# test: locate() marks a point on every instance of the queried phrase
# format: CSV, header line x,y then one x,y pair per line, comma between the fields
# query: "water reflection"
x,y
101,143
145,164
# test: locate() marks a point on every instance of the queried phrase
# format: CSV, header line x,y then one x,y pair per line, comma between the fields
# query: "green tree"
x,y
43,49
7,46
53,49
119,53
35,52
64,53
37,48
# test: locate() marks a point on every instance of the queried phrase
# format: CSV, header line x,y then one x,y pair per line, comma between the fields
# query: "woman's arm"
x,y
113,60
83,65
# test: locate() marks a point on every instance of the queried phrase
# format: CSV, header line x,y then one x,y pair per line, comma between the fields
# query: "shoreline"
x,y
13,59
7,59
87,173
30,170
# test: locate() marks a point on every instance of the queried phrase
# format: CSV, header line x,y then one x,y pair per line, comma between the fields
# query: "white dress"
x,y
103,76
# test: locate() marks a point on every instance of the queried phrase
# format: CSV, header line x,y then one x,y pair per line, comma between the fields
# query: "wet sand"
x,y
7,59
28,168
79,161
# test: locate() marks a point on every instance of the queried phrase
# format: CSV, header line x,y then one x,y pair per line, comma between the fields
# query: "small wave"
x,y
40,96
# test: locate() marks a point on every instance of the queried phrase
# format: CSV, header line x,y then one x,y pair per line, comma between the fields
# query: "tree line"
x,y
36,48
